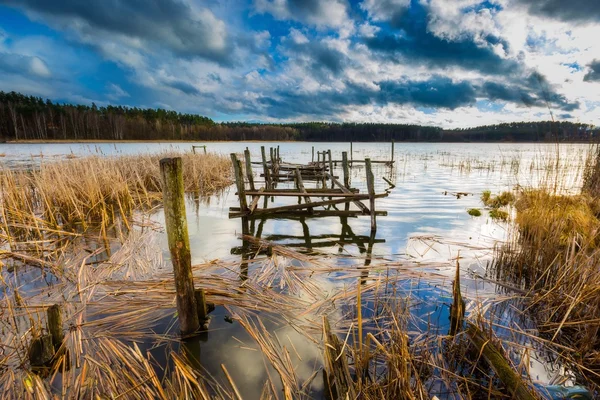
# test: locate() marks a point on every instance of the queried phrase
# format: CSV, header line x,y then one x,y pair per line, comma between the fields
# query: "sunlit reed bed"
x,y
554,256
95,189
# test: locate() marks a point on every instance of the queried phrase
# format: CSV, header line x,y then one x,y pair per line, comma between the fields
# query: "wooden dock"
x,y
321,200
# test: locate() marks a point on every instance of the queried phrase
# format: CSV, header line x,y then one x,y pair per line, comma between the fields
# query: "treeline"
x,y
33,118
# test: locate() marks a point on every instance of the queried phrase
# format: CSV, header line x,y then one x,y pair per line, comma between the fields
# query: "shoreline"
x,y
89,141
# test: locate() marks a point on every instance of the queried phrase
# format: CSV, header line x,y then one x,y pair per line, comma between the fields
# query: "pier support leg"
x,y
371,189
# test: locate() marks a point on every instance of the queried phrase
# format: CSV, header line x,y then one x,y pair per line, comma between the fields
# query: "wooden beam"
x,y
301,188
255,200
345,190
296,193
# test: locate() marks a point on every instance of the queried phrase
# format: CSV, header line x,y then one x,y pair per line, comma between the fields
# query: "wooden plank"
x,y
360,205
301,188
296,193
234,212
255,200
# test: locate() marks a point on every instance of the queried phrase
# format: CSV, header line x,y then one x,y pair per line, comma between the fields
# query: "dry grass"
x,y
554,255
95,189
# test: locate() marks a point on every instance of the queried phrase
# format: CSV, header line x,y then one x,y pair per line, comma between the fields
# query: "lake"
x,y
427,225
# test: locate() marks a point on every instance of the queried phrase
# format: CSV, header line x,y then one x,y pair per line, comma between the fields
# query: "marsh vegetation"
x,y
86,233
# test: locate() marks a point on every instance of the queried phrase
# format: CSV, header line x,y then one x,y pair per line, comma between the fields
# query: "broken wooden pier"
x,y
322,199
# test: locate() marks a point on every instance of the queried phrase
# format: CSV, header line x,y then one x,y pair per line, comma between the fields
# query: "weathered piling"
x,y
239,181
313,154
179,244
266,170
345,169
392,156
54,316
330,166
249,173
351,154
371,190
497,360
201,305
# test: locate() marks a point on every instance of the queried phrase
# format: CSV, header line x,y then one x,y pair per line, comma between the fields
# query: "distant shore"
x,y
200,142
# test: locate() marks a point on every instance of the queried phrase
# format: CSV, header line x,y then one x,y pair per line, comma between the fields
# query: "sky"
x,y
448,63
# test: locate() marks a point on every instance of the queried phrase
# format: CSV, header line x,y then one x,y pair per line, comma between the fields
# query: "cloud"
x,y
594,74
23,65
169,24
330,13
565,10
385,10
415,43
183,87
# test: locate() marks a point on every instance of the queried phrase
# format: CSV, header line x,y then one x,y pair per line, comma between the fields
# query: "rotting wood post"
x,y
239,182
200,297
249,173
457,310
179,243
266,171
371,189
313,154
392,159
54,317
498,361
345,169
330,167
278,155
351,155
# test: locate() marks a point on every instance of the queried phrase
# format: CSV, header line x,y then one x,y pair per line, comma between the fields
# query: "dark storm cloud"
x,y
170,24
437,92
594,74
184,87
565,10
319,59
412,42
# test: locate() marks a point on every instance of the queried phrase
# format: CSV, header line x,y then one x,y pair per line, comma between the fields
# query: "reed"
x,y
94,190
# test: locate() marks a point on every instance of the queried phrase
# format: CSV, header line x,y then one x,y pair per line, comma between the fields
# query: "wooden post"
x,y
351,155
54,317
313,154
239,182
265,168
204,149
371,189
179,243
392,159
278,155
345,168
200,297
330,167
249,173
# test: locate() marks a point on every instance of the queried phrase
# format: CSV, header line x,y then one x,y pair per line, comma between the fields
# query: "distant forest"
x,y
33,118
